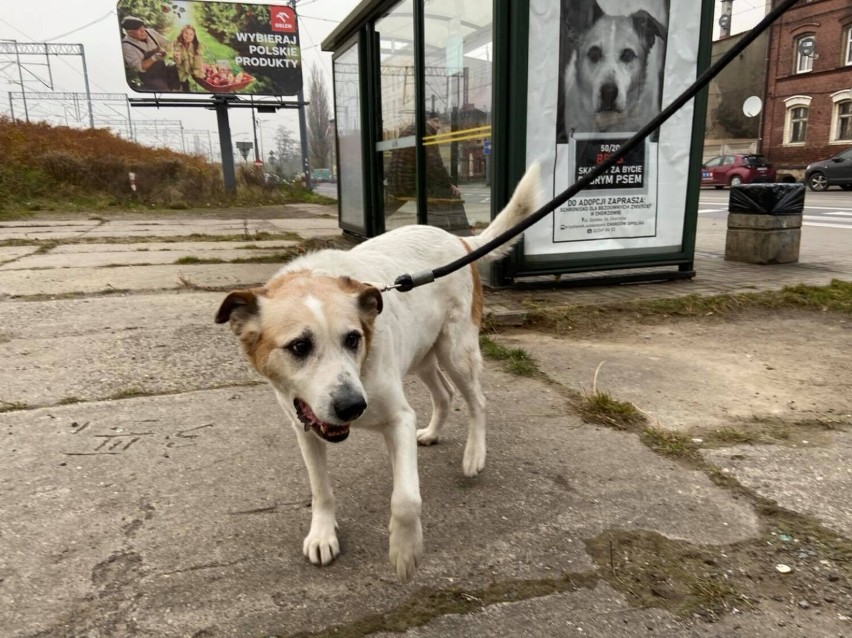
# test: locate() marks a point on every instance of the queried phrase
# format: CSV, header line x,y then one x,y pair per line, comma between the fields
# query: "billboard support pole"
x,y
226,147
303,133
254,130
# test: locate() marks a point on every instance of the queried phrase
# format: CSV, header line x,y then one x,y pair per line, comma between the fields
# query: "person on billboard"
x,y
145,53
187,56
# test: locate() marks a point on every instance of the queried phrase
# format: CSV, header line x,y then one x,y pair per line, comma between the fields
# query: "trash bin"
x,y
765,223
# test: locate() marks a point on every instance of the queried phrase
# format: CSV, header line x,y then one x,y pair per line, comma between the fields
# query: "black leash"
x,y
407,282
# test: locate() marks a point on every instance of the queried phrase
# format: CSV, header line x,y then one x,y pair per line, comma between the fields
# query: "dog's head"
x,y
309,335
611,58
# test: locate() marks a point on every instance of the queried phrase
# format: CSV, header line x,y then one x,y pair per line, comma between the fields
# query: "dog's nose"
x,y
609,94
349,406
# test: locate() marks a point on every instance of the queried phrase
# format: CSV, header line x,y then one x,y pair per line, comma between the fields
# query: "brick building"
x,y
808,105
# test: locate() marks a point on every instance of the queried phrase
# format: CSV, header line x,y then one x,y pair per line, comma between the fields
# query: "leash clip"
x,y
381,287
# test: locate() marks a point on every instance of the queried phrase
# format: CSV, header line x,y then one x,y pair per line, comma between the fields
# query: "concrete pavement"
x,y
149,488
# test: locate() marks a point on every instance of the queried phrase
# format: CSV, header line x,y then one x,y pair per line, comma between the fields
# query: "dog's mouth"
x,y
333,433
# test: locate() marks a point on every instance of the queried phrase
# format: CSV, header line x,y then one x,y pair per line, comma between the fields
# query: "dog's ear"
x,y
370,302
597,12
239,308
648,27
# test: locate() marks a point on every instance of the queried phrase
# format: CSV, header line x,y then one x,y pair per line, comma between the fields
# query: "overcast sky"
x,y
93,24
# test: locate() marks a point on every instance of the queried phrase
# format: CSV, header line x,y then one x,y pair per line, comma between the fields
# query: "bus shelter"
x,y
441,105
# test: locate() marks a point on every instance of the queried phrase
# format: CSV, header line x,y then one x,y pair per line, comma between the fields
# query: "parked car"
x,y
733,170
835,171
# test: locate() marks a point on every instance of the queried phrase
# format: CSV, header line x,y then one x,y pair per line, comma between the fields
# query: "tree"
x,y
319,125
288,151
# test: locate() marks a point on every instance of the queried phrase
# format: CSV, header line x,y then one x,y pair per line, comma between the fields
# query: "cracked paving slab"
x,y
813,479
89,349
704,374
131,258
21,283
165,516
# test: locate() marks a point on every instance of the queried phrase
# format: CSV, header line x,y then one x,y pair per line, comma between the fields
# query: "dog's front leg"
x,y
406,533
321,545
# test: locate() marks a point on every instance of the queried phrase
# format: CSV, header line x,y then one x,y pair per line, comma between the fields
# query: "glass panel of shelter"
x,y
347,115
458,95
395,35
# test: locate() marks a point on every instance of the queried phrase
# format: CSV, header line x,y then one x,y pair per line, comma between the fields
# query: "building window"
x,y
848,48
841,117
804,49
844,121
796,119
798,125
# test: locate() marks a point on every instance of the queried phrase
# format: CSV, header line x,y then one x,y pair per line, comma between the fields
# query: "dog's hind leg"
x,y
441,392
458,354
321,545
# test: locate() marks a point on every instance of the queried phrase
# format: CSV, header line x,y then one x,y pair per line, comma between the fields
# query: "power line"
x,y
88,24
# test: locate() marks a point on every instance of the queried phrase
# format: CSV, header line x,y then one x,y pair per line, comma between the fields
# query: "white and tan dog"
x,y
336,351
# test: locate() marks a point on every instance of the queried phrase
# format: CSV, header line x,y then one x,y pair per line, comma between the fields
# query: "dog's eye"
x,y
352,340
628,55
595,54
300,348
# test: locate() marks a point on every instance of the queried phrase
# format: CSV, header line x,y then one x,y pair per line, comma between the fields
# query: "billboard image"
x,y
188,46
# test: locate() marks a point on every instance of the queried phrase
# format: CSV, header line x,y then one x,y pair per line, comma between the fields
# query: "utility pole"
x,y
21,78
303,126
725,18
88,93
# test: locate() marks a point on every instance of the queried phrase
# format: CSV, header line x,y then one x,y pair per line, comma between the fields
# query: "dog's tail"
x,y
525,201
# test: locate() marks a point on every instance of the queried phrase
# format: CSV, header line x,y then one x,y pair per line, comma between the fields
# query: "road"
x,y
829,209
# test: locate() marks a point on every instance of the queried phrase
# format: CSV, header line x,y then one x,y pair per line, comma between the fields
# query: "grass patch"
x,y
188,259
69,400
602,409
515,360
596,319
272,258
772,430
9,406
172,239
668,443
128,393
657,572
731,436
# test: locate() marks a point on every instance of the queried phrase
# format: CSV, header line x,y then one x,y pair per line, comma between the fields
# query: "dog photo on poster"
x,y
611,61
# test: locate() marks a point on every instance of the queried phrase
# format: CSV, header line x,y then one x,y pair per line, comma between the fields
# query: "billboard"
x,y
188,46
606,69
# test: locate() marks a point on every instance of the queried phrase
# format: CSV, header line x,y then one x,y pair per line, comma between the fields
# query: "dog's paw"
x,y
474,458
427,436
321,546
406,548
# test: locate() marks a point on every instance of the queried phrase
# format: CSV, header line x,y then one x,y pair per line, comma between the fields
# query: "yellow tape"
x,y
457,136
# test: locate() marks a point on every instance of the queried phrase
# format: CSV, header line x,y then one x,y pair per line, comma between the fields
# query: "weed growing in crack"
x,y
669,443
9,406
516,360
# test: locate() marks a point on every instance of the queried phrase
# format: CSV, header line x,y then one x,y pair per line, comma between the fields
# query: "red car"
x,y
732,170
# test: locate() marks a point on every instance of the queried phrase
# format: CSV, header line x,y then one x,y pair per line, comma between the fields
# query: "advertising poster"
x,y
184,46
609,66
